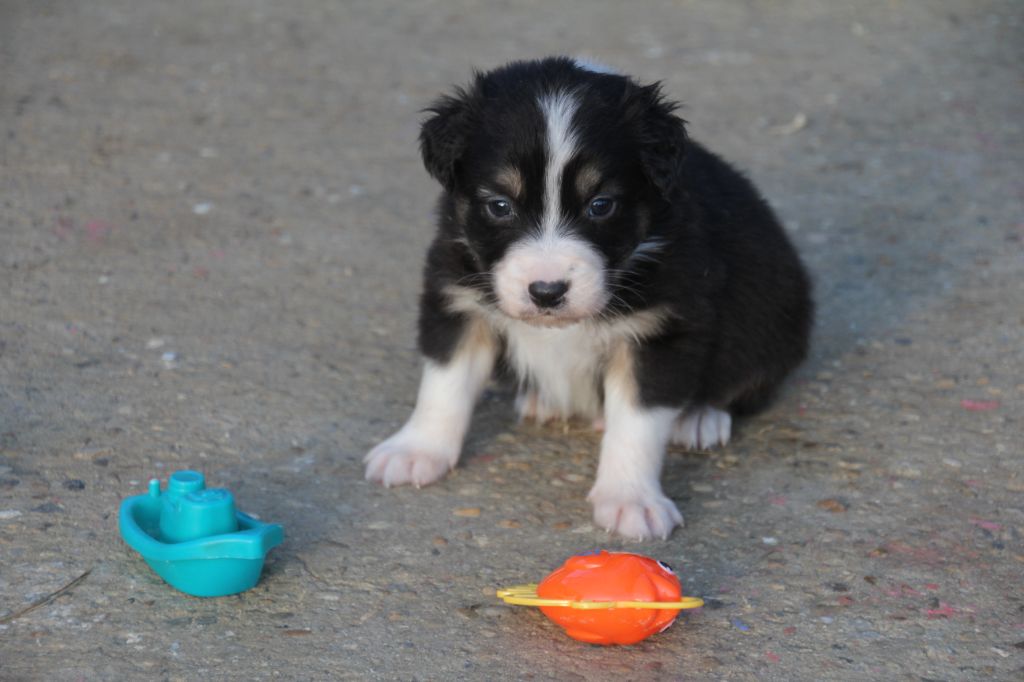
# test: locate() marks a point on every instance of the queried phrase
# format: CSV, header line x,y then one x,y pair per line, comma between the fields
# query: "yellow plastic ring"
x,y
526,595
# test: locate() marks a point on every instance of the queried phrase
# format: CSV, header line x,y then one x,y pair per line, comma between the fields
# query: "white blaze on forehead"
x,y
551,253
558,109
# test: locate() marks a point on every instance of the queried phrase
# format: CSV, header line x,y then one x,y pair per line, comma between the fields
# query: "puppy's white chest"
x,y
559,369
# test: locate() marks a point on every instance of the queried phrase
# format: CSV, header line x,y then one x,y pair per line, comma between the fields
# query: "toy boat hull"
x,y
213,566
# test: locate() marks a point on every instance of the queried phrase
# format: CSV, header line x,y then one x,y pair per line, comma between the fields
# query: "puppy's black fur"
x,y
740,310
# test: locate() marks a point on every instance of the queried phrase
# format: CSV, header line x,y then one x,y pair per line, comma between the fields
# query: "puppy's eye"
x,y
601,207
499,208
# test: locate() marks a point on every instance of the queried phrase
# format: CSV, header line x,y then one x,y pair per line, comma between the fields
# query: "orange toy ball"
x,y
611,577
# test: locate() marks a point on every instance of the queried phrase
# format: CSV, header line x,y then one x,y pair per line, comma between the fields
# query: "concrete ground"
x,y
212,220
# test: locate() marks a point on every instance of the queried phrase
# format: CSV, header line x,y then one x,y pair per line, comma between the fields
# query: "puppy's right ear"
x,y
443,136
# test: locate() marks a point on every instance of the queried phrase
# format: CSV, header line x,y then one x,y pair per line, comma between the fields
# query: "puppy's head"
x,y
555,172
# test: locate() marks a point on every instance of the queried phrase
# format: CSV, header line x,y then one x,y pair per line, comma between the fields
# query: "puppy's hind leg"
x,y
428,445
702,427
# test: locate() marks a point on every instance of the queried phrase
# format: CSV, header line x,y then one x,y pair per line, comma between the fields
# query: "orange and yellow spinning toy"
x,y
607,597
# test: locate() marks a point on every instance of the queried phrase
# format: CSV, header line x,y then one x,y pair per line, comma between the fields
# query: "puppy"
x,y
618,270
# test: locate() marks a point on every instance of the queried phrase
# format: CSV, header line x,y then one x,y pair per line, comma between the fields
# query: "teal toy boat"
x,y
195,539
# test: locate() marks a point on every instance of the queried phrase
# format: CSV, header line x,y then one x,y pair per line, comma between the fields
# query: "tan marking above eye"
x,y
511,181
588,179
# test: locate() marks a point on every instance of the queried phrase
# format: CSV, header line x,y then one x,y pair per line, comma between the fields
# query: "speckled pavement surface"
x,y
212,220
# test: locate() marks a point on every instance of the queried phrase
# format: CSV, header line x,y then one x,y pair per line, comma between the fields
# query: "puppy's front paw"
x,y
404,459
703,427
640,517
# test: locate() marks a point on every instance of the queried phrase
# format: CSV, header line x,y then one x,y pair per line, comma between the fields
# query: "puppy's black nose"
x,y
548,294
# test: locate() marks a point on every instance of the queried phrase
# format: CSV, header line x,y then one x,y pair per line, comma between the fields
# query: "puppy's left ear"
x,y
443,135
660,133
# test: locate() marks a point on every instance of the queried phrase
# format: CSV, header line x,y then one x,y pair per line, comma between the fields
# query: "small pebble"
x,y
906,471
740,625
833,505
979,405
91,453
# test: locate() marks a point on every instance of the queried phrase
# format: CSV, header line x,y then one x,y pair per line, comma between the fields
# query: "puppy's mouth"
x,y
547,318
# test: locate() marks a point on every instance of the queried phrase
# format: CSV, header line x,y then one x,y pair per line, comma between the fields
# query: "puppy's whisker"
x,y
474,279
646,250
625,275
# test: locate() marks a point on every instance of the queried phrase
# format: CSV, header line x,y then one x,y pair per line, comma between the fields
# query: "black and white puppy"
x,y
620,271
